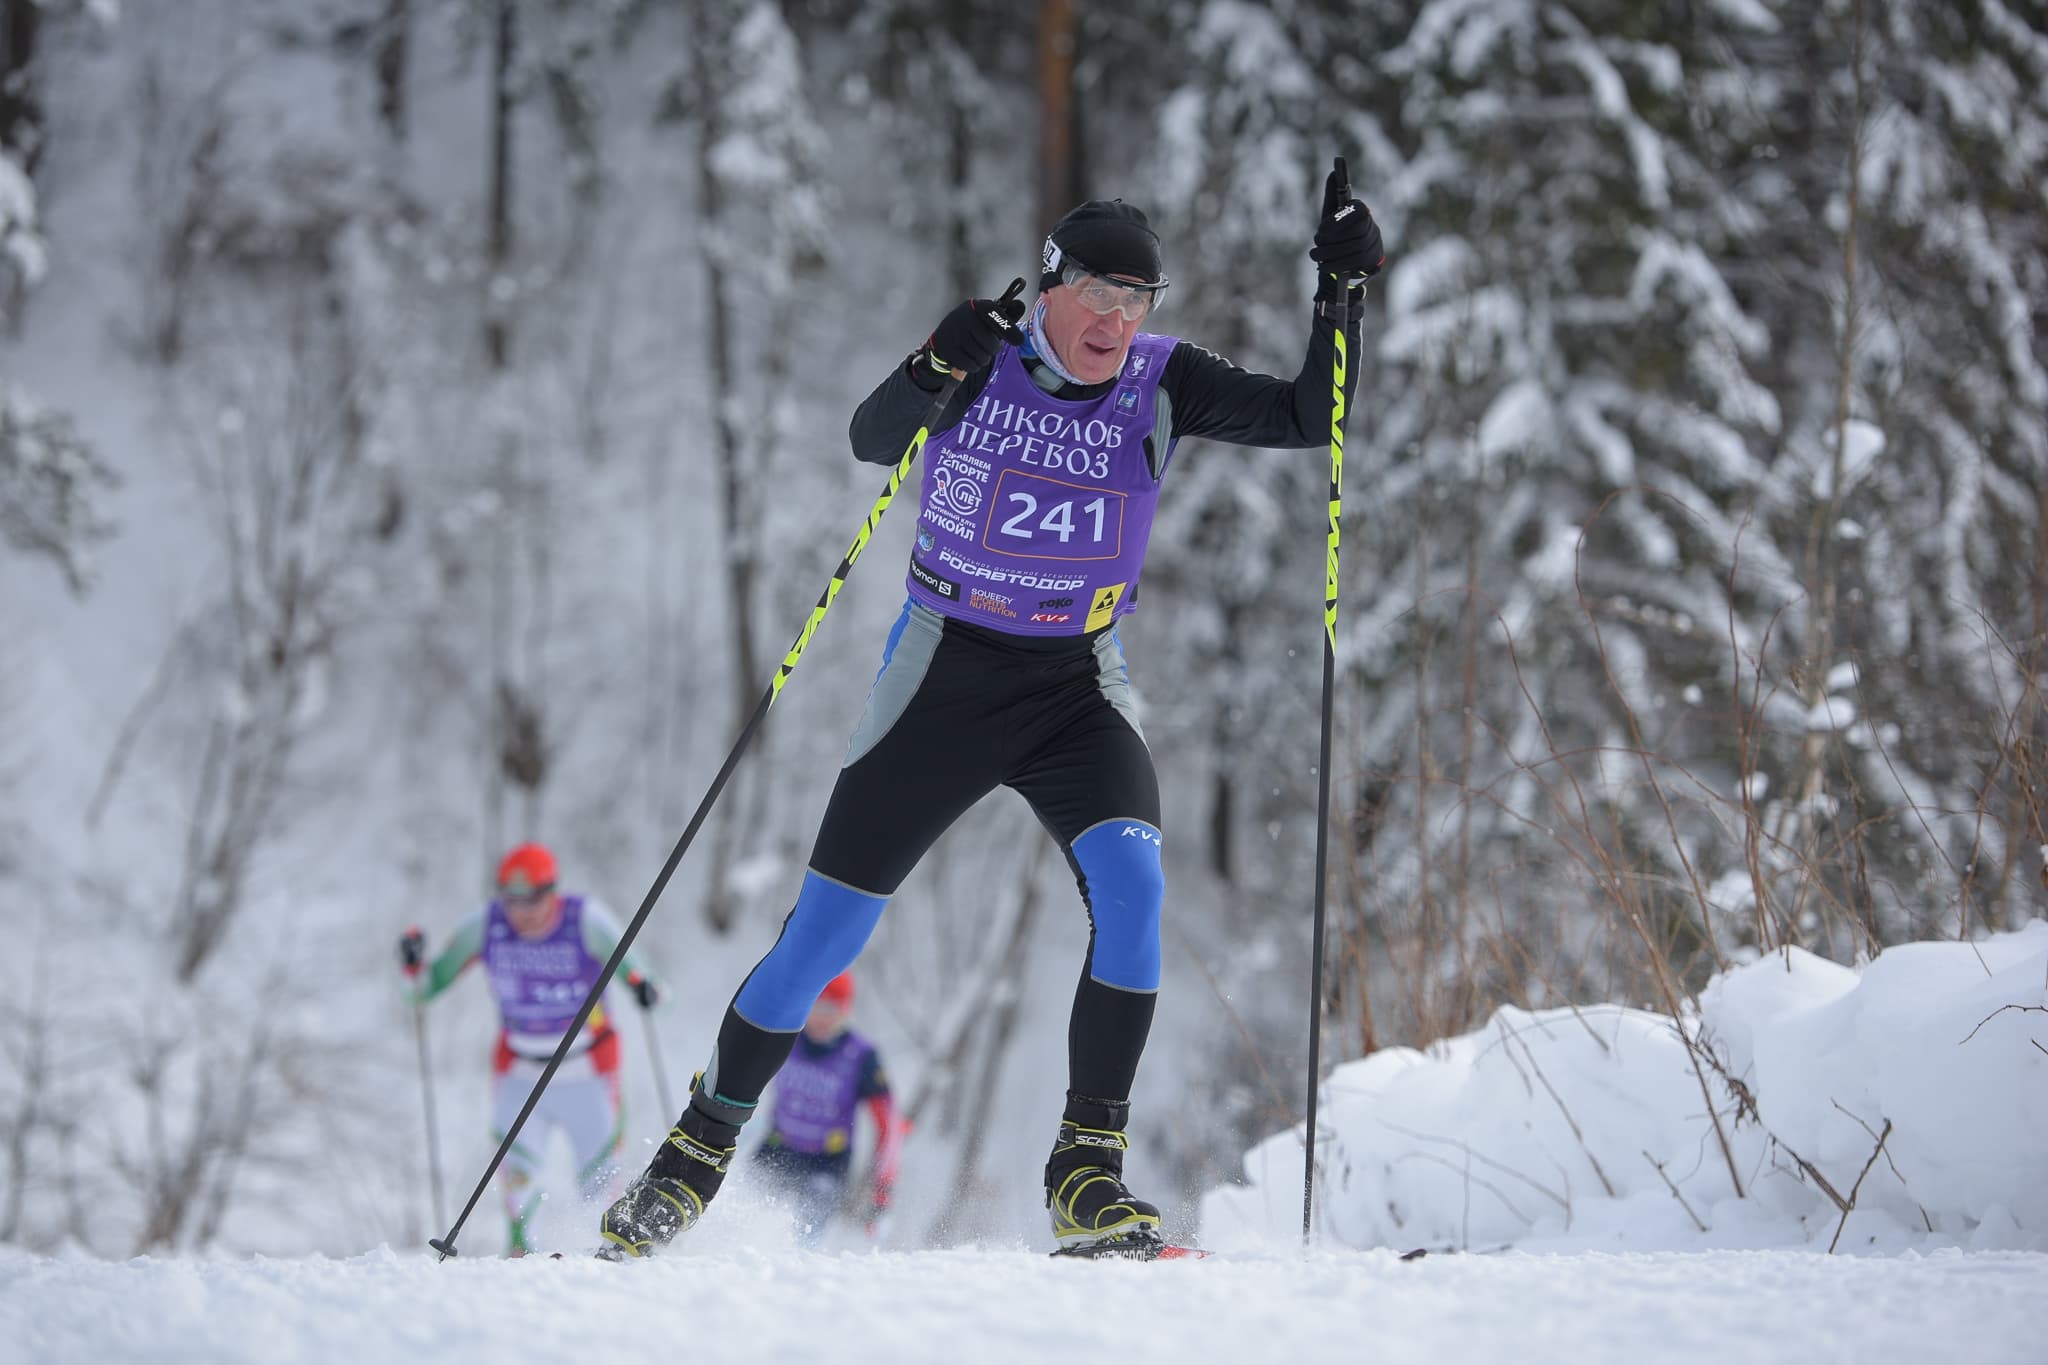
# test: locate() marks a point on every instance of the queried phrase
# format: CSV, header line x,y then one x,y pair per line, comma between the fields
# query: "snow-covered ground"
x,y
1559,1135
996,1307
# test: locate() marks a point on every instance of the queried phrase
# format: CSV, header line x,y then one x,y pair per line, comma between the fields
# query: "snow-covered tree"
x,y
1706,440
52,482
1231,618
1566,427
1900,268
52,487
761,234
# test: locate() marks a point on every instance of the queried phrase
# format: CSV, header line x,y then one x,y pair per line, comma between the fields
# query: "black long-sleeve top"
x,y
1202,393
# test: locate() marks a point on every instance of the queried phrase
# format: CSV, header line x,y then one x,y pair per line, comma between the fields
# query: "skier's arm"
x,y
969,339
887,418
464,947
1211,397
601,935
890,1127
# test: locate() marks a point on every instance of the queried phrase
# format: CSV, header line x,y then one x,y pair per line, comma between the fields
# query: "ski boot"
x,y
1084,1185
671,1195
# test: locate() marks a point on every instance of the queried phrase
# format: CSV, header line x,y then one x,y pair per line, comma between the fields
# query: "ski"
x,y
1134,1249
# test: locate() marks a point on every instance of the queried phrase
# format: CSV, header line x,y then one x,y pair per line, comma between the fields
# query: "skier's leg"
x,y
1092,782
594,1118
818,1198
922,754
777,1172
518,1175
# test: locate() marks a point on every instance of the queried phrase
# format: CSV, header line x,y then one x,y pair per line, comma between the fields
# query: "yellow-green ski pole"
x,y
446,1245
1315,1014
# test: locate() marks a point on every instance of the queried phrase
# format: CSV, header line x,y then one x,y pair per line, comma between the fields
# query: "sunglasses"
x,y
526,900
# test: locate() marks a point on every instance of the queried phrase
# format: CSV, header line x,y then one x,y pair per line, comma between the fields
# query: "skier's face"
x,y
532,916
1091,345
827,1020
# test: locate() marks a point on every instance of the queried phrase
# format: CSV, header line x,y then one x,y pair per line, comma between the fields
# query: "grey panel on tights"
x,y
898,680
902,675
1114,681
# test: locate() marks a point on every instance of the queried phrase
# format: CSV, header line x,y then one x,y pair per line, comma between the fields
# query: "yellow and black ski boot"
x,y
671,1195
1084,1185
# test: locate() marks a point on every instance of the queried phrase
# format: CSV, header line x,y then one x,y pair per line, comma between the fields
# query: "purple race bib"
x,y
1036,511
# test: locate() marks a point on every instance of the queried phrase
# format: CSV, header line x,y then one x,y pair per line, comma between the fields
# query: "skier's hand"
x,y
1348,245
968,338
643,990
412,951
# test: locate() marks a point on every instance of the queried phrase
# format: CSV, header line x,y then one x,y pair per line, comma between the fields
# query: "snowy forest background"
x,y
422,428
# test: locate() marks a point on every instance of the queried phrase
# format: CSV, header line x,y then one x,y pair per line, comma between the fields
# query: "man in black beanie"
x,y
1040,481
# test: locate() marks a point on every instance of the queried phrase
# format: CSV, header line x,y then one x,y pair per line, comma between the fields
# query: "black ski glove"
x,y
1348,245
968,338
643,990
412,951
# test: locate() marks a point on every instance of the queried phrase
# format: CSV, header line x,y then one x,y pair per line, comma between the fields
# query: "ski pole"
x,y
1315,1014
412,948
446,1244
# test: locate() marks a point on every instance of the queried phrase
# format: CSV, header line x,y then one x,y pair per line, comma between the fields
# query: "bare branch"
x,y
1659,1166
1853,1189
2023,1009
1560,1200
1558,1100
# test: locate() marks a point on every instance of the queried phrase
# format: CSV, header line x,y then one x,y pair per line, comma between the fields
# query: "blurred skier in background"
x,y
808,1153
542,951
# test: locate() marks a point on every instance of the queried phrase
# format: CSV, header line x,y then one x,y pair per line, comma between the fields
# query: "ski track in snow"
x,y
995,1307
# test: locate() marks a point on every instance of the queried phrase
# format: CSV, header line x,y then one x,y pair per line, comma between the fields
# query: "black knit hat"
x,y
1108,237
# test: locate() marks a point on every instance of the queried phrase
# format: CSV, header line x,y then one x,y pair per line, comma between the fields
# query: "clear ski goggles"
x,y
1103,297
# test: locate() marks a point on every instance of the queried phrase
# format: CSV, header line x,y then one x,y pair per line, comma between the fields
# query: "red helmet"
x,y
839,990
527,870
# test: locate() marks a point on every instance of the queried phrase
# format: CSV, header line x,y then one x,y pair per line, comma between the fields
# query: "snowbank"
x,y
1595,1128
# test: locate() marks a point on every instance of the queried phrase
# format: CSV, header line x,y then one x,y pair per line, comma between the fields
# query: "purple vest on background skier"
x,y
1036,510
540,982
816,1095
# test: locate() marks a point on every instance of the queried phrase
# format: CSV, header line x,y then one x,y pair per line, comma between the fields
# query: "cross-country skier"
x,y
808,1153
542,951
1004,669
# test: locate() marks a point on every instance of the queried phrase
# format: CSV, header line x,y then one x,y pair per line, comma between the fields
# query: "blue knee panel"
x,y
1126,886
821,938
